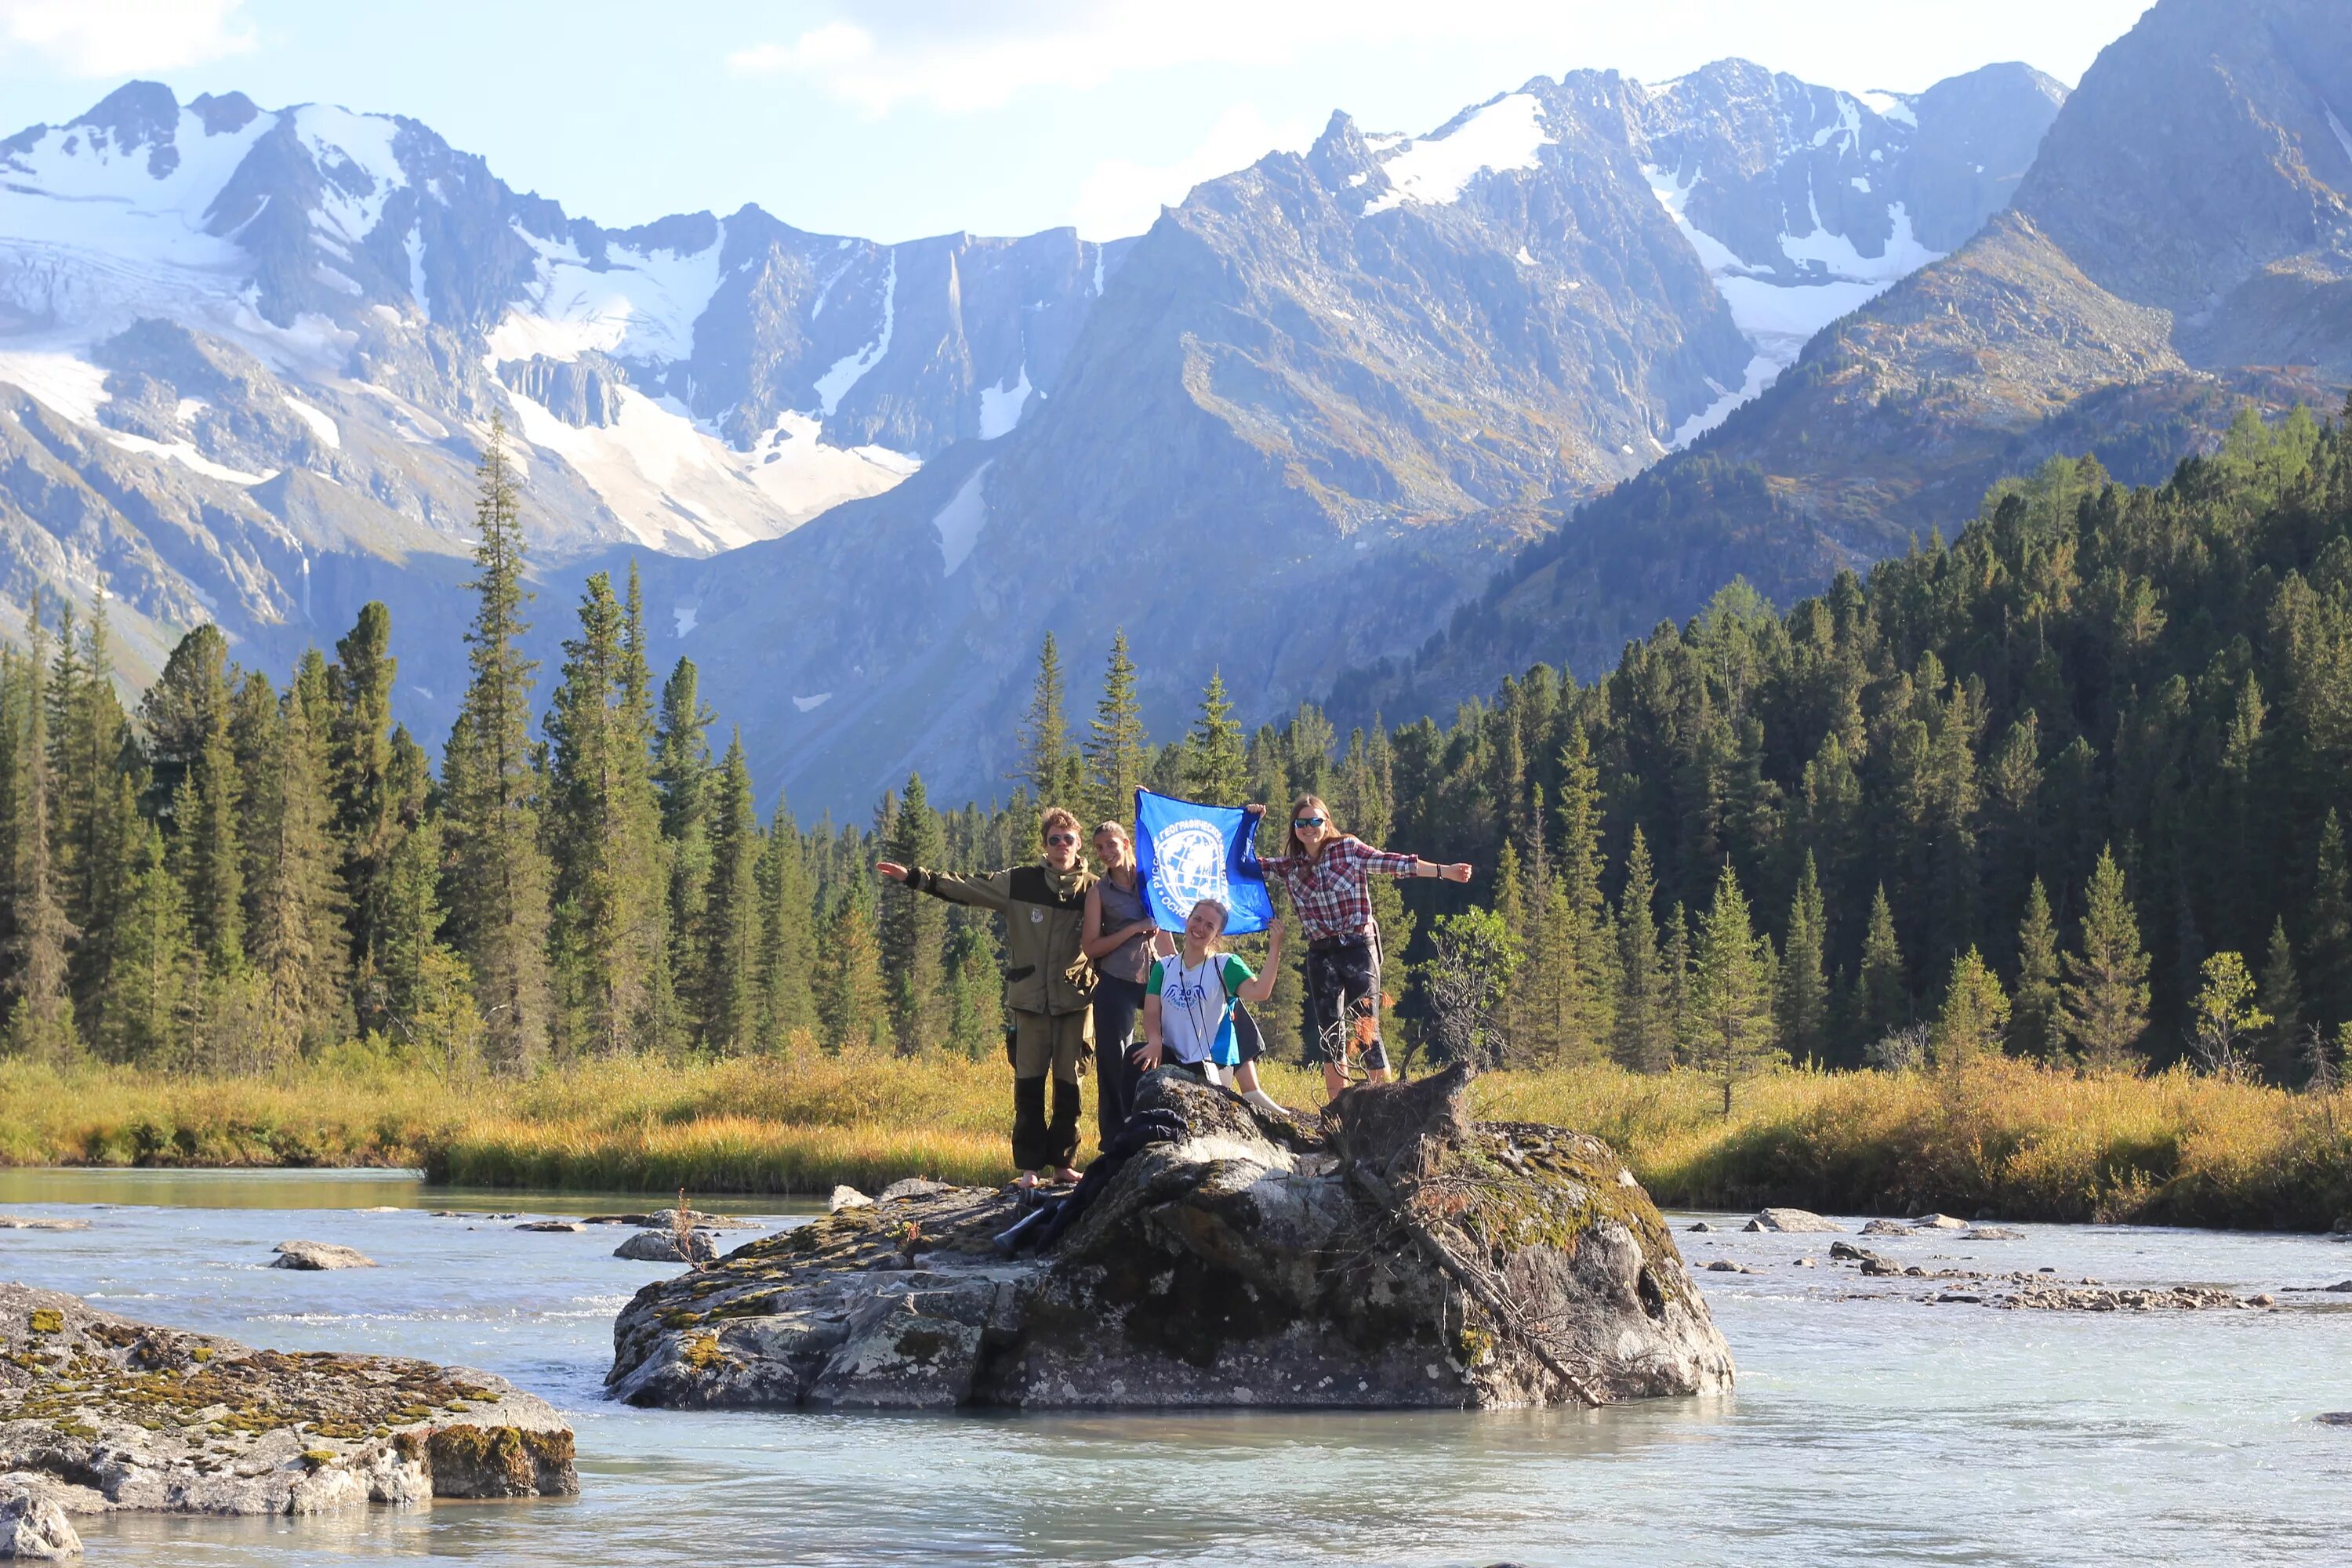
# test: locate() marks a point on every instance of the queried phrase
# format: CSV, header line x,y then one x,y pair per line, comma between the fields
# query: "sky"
x,y
895,118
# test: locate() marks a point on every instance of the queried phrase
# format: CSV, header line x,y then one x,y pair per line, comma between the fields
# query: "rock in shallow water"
x,y
100,1412
1402,1256
18,1222
33,1527
664,1247
314,1254
1792,1220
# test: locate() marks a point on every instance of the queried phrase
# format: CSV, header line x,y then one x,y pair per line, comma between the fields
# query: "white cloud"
x,y
957,57
1120,198
112,38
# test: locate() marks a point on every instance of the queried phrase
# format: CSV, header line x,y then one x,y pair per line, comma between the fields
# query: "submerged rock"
x,y
669,1246
1791,1220
1886,1227
552,1226
32,1525
667,1219
18,1222
319,1255
1403,1256
1992,1232
100,1412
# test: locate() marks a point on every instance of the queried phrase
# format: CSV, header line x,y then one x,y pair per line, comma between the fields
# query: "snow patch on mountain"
x,y
959,523
358,169
1895,106
835,383
1000,406
1505,134
2342,137
320,422
185,453
66,384
638,305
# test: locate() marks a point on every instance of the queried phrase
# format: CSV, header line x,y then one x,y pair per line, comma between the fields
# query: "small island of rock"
x,y
98,1412
1400,1255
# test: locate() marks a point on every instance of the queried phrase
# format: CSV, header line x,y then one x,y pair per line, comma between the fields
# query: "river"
x,y
1866,1428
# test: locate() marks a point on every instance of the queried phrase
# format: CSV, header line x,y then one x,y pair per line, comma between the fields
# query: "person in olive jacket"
x,y
1048,982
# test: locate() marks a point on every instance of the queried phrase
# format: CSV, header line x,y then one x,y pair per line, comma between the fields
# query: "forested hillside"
x,y
2069,787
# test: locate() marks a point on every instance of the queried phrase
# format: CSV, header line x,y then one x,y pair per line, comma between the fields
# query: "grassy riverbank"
x,y
2010,1140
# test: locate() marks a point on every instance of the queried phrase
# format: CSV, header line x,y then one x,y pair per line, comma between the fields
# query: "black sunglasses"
x,y
1061,838
1305,822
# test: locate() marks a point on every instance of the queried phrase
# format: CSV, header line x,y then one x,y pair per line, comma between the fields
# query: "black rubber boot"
x,y
1033,1150
1062,1140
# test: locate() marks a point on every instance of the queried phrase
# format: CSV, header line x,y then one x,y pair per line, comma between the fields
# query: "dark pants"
x,y
1116,1005
1047,1045
1343,991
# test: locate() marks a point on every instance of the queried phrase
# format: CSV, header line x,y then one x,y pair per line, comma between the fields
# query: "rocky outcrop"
x,y
1400,1255
317,1255
100,1412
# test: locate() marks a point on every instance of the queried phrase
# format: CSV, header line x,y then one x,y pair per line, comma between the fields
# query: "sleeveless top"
x,y
1121,908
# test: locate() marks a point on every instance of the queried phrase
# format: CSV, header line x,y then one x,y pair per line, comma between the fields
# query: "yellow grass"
x,y
2006,1140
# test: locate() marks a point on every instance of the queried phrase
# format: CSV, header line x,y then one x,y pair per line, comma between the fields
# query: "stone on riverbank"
x,y
100,1412
2159,1299
846,1198
1403,1256
1939,1222
1795,1221
664,1247
32,1526
315,1255
1886,1227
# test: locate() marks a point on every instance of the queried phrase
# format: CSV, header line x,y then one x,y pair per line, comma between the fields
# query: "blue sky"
x,y
898,117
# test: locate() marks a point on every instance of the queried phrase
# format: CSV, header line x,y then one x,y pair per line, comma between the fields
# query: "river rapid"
x,y
1869,1425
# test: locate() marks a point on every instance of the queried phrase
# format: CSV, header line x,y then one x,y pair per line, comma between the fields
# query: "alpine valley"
x,y
1383,418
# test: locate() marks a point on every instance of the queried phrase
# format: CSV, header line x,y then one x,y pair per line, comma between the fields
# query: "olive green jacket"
x,y
1045,969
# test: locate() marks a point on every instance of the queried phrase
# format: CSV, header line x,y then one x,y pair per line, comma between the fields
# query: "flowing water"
x,y
1869,1425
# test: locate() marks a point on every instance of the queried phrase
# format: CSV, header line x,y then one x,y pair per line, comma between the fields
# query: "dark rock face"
x,y
1403,1256
100,1412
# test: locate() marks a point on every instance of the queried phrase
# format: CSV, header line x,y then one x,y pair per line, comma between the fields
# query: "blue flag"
x,y
1185,852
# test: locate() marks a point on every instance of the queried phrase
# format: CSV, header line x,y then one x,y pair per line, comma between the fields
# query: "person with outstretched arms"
x,y
1049,984
1328,875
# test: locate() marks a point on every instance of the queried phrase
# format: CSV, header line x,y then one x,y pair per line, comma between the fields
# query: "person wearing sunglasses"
x,y
1049,984
1327,874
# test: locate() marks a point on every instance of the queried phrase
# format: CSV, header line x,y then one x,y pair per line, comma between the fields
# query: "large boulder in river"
x,y
100,1412
1400,1255
315,1255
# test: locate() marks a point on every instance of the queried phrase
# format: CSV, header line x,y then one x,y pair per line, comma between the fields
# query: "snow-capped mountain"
x,y
1324,395
2179,245
310,315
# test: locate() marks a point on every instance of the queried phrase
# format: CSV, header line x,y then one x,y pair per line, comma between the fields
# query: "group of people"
x,y
1090,975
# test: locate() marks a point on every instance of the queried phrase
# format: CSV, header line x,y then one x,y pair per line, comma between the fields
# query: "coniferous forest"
x,y
2072,786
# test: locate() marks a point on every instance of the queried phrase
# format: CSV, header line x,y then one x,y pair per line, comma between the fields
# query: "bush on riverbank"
x,y
2006,1139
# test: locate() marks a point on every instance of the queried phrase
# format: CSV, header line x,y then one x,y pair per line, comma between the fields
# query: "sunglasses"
x,y
1061,838
1305,822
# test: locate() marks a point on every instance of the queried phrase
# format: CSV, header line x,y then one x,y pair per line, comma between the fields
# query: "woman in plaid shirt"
x,y
1327,874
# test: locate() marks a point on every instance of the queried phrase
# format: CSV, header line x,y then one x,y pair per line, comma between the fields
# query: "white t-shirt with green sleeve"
x,y
1196,1007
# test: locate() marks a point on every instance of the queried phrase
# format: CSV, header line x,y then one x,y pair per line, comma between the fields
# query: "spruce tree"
x,y
498,880
609,919
729,1015
1883,997
851,999
40,1015
1216,768
915,930
2103,1002
98,832
788,949
2281,997
300,943
187,714
366,820
1974,1018
1674,962
1116,745
151,971
682,779
2033,1016
2330,938
1804,990
1050,767
1644,1034
1730,1009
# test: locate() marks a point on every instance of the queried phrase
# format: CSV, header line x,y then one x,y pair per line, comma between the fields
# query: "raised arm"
x,y
1259,987
1380,863
990,890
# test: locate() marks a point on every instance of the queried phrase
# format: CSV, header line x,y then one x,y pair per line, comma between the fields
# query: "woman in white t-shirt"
x,y
1188,1000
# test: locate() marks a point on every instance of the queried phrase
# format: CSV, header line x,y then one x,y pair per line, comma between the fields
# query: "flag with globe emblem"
x,y
1185,852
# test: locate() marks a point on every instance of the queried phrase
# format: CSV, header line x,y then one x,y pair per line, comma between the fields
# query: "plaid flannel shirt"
x,y
1330,892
